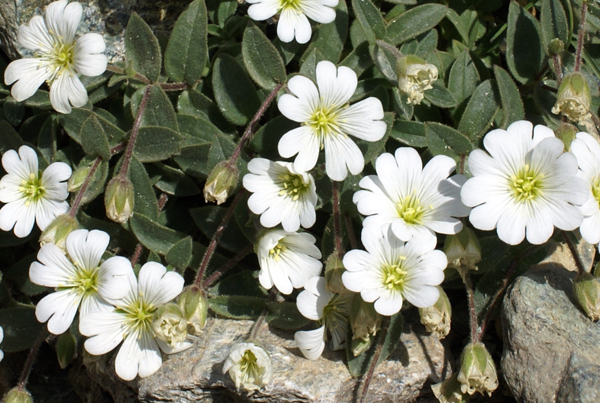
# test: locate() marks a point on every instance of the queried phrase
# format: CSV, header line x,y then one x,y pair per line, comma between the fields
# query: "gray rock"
x,y
106,17
543,329
581,383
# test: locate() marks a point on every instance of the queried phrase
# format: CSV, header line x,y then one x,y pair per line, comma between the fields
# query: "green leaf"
x,y
155,143
13,111
187,51
10,139
309,64
463,78
554,23
174,182
401,105
524,53
445,140
21,328
285,315
359,59
237,306
410,133
386,60
94,139
73,123
145,200
226,10
242,283
330,38
193,158
208,219
370,19
440,96
180,255
268,136
159,110
480,111
142,49
18,273
512,106
261,59
154,236
221,149
415,21
234,91
41,99
66,347
197,127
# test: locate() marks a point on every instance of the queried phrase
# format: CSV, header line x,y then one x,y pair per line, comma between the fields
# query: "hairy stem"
x,y
134,133
558,68
580,36
475,334
337,224
496,298
83,188
366,382
31,358
227,266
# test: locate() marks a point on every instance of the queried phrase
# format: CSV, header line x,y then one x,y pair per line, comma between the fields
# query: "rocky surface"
x,y
195,375
107,17
551,348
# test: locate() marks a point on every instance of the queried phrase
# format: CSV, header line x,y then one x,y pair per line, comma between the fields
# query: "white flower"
x,y
282,194
1,338
132,321
292,20
412,200
287,260
587,151
415,76
79,278
391,270
248,365
29,194
327,121
59,59
316,302
524,185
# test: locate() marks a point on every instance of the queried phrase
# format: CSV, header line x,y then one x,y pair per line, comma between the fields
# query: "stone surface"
x,y
543,328
581,383
107,17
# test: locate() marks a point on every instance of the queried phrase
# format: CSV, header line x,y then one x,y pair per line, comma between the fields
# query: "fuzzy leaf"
x,y
261,59
510,98
480,111
142,49
415,21
155,143
524,53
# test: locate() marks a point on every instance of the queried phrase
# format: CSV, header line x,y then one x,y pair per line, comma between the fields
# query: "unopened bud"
x,y
194,305
573,98
587,294
78,177
119,198
169,324
477,370
17,395
449,391
365,323
556,47
58,230
437,318
221,181
334,268
415,76
463,251
567,133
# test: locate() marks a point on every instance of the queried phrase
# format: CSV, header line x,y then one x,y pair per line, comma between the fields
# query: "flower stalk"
x,y
581,36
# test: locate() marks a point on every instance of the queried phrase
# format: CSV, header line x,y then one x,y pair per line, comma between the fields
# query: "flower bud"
x,y
477,370
415,76
365,323
587,294
437,318
573,98
119,199
449,391
221,181
169,324
556,47
194,305
58,230
78,177
17,395
463,251
566,132
249,366
334,268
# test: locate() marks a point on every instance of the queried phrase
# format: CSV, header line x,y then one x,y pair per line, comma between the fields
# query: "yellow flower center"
x,y
290,4
526,184
410,210
277,251
32,188
324,121
292,186
139,315
63,57
596,189
394,275
86,280
250,369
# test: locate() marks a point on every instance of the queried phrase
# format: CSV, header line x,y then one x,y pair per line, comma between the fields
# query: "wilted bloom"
x,y
281,194
437,317
331,310
415,76
119,199
131,322
287,260
477,370
573,97
169,324
221,181
410,199
524,184
79,278
249,366
463,251
58,230
328,121
587,294
391,270
194,304
292,19
58,58
449,391
18,394
31,195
